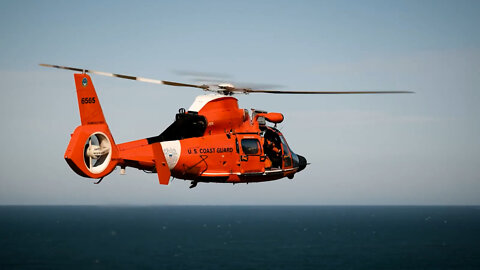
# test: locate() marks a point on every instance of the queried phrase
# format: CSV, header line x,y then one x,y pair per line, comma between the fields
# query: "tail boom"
x,y
144,156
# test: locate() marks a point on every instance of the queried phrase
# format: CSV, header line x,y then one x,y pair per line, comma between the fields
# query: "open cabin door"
x,y
272,145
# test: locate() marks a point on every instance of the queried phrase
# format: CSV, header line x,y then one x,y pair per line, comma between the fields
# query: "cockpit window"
x,y
250,146
286,150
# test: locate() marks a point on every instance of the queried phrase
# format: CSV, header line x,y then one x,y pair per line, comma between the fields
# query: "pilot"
x,y
270,146
273,154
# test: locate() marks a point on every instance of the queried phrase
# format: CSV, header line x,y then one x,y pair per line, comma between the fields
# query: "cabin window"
x,y
250,146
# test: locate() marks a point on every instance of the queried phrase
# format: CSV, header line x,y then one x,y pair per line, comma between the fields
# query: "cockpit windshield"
x,y
286,149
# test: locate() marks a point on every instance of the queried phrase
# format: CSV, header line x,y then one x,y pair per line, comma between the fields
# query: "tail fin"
x,y
91,152
90,110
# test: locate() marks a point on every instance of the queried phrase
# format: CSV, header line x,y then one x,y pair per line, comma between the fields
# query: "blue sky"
x,y
395,149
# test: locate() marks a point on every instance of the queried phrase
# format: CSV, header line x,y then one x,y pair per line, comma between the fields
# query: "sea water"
x,y
239,237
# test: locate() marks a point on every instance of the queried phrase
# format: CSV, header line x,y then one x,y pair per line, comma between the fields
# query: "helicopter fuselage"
x,y
213,141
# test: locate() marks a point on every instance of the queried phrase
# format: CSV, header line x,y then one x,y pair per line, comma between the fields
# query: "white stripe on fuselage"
x,y
172,151
201,101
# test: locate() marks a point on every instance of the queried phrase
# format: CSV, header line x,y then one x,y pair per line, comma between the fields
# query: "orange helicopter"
x,y
214,141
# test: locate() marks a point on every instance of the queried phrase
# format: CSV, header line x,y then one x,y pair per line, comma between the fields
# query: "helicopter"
x,y
214,141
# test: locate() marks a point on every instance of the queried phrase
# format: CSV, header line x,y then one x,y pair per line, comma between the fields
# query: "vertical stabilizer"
x,y
90,111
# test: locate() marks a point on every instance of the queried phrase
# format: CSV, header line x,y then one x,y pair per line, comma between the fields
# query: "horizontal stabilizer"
x,y
161,165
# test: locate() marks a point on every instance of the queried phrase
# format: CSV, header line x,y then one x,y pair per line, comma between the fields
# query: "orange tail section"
x,y
92,152
90,110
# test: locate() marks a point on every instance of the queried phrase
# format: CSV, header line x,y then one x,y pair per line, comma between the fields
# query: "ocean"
x,y
239,237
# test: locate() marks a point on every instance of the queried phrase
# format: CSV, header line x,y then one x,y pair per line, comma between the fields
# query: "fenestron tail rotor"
x,y
221,88
97,152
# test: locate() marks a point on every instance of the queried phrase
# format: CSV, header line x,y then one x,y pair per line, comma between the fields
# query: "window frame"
x,y
259,147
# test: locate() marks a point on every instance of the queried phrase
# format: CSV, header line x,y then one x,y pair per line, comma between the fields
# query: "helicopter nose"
x,y
302,163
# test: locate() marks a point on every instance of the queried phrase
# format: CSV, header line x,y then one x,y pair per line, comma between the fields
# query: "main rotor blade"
x,y
220,88
246,91
128,77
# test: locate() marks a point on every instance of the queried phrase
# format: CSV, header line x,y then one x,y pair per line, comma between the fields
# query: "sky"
x,y
415,149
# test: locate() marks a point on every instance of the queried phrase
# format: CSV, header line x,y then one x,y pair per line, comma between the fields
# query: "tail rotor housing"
x,y
91,152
